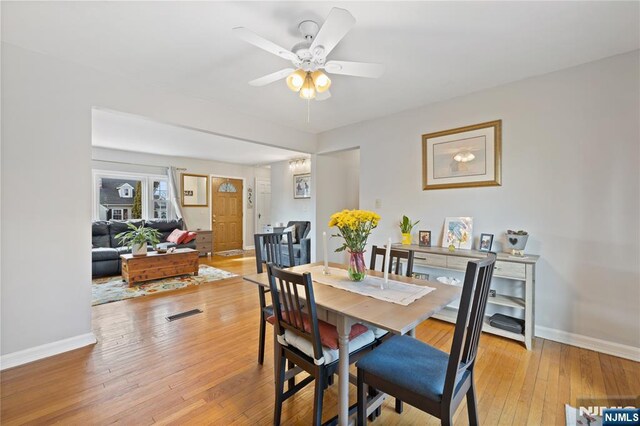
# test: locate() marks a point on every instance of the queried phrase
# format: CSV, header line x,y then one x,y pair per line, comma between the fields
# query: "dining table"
x,y
344,308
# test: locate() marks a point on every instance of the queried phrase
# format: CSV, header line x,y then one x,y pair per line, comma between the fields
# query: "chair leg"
x,y
398,406
378,411
292,380
362,401
330,380
261,338
318,396
279,378
472,406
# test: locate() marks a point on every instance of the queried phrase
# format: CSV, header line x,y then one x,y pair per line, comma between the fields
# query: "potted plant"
x,y
354,226
137,238
517,241
405,227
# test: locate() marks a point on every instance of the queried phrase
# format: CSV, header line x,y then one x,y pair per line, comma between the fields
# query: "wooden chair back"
x,y
269,248
396,256
473,302
290,311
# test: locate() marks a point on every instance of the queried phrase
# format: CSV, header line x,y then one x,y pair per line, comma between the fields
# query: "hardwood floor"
x,y
203,370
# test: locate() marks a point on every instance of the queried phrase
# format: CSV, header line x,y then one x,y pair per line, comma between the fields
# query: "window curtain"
x,y
174,199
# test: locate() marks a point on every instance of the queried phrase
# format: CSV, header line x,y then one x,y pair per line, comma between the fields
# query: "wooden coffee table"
x,y
156,265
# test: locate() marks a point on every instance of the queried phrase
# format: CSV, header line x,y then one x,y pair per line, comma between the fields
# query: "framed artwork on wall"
x,y
195,190
468,156
458,232
302,186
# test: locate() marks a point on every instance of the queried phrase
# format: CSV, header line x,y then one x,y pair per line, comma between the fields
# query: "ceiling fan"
x,y
309,57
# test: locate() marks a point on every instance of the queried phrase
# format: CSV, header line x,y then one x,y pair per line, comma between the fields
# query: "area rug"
x,y
230,253
113,289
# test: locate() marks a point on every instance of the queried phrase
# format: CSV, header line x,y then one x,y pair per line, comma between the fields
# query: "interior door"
x,y
263,204
226,220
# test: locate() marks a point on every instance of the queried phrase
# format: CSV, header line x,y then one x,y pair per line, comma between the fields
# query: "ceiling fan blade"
x,y
270,78
323,96
335,27
261,42
356,69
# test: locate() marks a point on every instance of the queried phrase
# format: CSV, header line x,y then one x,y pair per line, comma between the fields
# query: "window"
x,y
227,187
125,196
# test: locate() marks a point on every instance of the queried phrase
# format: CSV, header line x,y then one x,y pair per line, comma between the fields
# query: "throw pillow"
x,y
177,236
190,237
328,332
291,229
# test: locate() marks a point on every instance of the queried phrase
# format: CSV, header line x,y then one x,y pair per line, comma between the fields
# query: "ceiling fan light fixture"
x,y
464,157
308,89
296,80
321,81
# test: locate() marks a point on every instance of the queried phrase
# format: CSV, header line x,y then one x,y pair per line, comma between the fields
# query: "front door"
x,y
226,217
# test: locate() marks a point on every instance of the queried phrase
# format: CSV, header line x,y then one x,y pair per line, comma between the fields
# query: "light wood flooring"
x,y
203,369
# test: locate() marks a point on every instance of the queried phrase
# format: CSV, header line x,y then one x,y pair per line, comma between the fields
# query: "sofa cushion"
x,y
190,237
164,225
177,236
303,227
123,250
100,234
104,253
292,230
116,227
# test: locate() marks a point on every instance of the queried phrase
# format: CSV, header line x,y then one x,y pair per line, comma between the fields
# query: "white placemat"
x,y
392,291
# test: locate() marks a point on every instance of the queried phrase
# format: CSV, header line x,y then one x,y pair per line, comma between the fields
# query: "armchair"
x,y
302,246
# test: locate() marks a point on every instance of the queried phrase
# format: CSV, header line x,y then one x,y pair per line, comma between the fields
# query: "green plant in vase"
x,y
137,237
405,227
354,226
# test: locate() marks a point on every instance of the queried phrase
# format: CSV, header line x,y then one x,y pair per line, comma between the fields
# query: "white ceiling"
x,y
132,133
432,50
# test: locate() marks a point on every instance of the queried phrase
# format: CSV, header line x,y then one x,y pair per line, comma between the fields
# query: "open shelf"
x,y
449,315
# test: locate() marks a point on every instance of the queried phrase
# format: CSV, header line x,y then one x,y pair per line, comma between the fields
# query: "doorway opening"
x,y
226,213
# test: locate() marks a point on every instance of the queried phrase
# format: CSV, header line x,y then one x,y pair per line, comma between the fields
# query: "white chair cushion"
x,y
291,229
329,355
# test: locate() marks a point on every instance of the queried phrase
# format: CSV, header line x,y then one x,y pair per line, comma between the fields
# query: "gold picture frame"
x,y
194,190
464,157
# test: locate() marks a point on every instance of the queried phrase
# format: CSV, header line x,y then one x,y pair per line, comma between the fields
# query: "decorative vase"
x,y
406,238
517,243
357,270
139,249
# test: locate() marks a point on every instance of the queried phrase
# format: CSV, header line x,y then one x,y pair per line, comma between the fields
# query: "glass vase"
x,y
357,270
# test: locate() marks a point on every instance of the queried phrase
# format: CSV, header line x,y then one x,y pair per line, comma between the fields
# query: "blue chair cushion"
x,y
411,364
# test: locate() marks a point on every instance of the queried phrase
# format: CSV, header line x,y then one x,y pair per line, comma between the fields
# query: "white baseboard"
x,y
249,247
586,342
43,351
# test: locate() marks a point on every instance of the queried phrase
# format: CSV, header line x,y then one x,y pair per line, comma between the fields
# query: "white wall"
x,y
46,143
338,189
283,206
570,177
195,217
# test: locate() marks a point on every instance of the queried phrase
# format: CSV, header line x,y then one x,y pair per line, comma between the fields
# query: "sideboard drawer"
x,y
510,270
204,237
457,262
434,260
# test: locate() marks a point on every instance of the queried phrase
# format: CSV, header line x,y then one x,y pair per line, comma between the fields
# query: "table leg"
x,y
344,327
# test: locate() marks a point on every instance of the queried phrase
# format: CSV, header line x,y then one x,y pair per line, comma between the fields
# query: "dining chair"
x,y
425,377
269,248
310,344
396,257
395,267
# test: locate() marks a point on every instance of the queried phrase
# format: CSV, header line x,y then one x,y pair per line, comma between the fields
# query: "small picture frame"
x,y
302,186
486,241
424,238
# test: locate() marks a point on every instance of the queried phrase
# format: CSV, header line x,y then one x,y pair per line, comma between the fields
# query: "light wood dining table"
x,y
344,308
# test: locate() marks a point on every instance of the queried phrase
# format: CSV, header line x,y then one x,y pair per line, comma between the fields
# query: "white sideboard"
x,y
512,268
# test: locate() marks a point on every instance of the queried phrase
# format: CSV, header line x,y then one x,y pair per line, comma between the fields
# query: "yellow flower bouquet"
x,y
354,226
